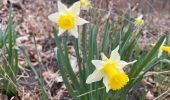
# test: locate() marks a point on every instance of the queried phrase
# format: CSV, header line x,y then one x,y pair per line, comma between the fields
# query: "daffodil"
x,y
139,20
111,70
68,18
165,48
85,4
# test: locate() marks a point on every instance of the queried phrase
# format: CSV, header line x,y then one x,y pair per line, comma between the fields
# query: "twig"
x,y
162,95
156,73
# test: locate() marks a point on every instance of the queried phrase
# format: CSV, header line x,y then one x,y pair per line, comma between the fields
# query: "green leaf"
x,y
106,36
66,66
147,59
43,91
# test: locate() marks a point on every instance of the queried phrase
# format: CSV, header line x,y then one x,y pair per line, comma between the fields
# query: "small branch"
x,y
156,73
162,94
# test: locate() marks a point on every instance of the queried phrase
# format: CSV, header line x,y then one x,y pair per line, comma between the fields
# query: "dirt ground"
x,y
32,22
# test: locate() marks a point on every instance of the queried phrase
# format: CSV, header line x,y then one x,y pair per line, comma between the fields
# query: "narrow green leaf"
x,y
63,73
148,58
106,36
66,62
43,91
76,47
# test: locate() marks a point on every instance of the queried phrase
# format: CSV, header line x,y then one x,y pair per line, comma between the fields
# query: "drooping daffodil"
x,y
85,4
111,70
68,18
139,20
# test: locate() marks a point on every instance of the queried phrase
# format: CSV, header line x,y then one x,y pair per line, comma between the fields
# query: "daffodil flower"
x,y
139,20
165,48
111,70
68,18
85,4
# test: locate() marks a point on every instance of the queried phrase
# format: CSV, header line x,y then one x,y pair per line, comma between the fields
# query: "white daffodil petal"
x,y
122,63
61,31
99,64
115,54
97,75
75,8
53,17
80,21
74,32
104,58
61,7
106,82
132,62
140,17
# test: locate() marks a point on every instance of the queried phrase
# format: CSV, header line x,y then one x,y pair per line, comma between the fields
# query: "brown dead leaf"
x,y
4,97
4,2
73,61
30,96
22,62
22,39
50,76
150,96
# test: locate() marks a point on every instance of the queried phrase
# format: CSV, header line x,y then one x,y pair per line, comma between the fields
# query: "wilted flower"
x,y
139,20
85,4
111,70
68,18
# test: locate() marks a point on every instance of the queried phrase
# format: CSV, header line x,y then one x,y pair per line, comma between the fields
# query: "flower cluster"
x,y
108,69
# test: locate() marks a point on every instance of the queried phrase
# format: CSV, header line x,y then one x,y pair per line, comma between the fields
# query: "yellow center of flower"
x,y
66,21
165,48
110,69
117,79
